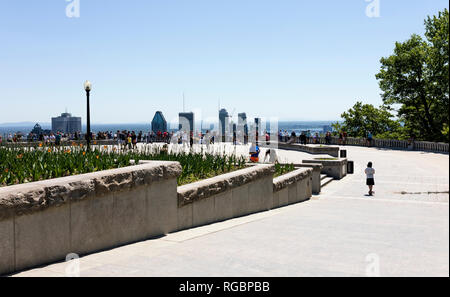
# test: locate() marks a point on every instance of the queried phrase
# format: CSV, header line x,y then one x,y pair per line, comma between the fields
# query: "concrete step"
x,y
326,181
323,176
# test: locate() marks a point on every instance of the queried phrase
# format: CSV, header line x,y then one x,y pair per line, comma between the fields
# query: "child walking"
x,y
370,172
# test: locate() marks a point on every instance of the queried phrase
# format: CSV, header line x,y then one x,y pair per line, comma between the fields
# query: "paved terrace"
x,y
338,233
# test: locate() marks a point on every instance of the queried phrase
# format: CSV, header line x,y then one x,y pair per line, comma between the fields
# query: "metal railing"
x,y
382,143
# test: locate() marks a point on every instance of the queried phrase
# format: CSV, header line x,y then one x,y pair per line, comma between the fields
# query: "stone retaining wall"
x,y
226,196
311,149
42,222
293,187
316,178
333,168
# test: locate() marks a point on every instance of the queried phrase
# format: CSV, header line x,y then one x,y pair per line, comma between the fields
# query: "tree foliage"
x,y
415,78
364,118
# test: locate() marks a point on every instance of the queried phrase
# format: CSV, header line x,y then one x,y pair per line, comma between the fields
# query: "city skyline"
x,y
294,60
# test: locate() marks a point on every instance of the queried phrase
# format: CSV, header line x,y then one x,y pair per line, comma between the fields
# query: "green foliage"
x,y
281,169
415,78
195,166
19,166
364,118
445,131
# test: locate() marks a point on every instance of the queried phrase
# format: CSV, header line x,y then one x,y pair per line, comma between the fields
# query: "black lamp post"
x,y
88,87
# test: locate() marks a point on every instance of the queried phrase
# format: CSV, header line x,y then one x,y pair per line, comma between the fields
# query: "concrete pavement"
x,y
341,232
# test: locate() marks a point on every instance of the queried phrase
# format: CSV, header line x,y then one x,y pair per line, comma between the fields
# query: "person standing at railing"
x,y
308,136
369,139
303,138
328,138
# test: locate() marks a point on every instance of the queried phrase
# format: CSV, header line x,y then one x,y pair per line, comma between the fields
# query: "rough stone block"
x,y
162,208
293,198
223,206
256,196
304,190
203,212
129,215
267,198
283,197
92,225
42,237
276,199
240,201
185,217
6,246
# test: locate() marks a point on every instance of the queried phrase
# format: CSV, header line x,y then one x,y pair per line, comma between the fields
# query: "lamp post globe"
x,y
87,85
88,88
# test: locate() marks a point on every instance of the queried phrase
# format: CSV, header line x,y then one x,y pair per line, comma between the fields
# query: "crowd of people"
x,y
305,137
124,136
131,138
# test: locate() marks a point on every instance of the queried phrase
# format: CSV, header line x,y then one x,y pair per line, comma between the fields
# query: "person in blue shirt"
x,y
254,153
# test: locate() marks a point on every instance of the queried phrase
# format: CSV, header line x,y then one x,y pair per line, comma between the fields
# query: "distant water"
x,y
297,126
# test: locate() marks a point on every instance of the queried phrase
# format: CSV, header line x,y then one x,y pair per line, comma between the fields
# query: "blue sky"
x,y
291,59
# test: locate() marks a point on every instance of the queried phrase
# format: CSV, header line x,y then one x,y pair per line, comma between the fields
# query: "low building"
x,y
37,130
159,123
66,123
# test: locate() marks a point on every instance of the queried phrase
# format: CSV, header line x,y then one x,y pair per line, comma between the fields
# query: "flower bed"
x,y
281,169
195,165
25,165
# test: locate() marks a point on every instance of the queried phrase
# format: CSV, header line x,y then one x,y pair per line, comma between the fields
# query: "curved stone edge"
x,y
37,196
290,178
327,162
187,194
314,150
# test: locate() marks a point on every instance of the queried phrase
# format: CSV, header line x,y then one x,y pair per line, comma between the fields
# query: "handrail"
x,y
440,147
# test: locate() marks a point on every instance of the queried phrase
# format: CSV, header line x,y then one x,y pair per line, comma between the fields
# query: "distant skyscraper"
x,y
66,123
242,122
258,125
186,121
159,123
223,120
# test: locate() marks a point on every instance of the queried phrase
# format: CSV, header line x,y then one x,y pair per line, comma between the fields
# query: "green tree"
x,y
415,78
364,118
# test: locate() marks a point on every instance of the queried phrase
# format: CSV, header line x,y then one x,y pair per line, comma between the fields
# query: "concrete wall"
x,y
44,221
292,187
333,168
316,178
312,149
226,196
